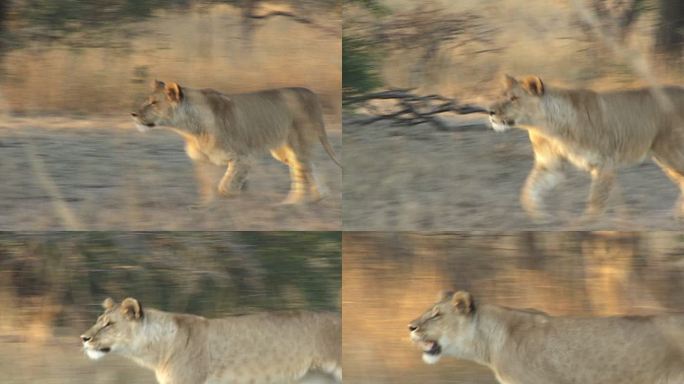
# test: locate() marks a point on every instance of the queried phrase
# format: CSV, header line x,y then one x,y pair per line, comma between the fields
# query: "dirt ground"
x,y
102,174
419,178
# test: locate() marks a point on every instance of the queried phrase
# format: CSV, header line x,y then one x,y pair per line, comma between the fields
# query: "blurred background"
x,y
72,71
390,279
52,285
459,50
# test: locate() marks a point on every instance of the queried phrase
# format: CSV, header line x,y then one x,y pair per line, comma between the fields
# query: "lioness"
x,y
188,349
230,129
596,132
531,347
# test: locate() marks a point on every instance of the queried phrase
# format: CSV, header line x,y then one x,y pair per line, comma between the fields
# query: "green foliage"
x,y
88,23
374,6
209,273
359,66
72,15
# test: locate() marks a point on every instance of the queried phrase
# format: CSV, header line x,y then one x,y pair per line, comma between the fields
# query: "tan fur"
x,y
231,129
531,347
596,132
264,348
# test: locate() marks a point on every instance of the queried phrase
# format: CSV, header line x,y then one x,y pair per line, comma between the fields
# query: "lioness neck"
x,y
154,339
563,112
493,327
187,120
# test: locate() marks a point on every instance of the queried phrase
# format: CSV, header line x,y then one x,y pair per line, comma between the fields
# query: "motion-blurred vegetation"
x,y
459,47
118,46
359,66
59,279
86,22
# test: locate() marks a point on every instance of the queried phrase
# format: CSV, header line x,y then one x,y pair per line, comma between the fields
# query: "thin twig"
x,y
413,109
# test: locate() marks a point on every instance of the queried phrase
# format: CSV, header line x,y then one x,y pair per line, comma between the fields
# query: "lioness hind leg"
x,y
676,174
286,155
234,180
303,184
281,154
303,187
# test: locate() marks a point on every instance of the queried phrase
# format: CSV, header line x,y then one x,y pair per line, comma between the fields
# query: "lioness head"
x,y
519,103
160,107
115,329
447,327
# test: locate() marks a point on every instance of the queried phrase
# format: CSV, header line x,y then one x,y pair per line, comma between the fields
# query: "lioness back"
x,y
309,341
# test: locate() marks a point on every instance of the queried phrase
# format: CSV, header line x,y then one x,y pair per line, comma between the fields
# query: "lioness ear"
x,y
445,295
108,303
533,85
131,308
174,92
508,81
463,302
157,85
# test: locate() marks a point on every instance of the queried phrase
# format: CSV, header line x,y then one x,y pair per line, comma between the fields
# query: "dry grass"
x,y
200,48
530,37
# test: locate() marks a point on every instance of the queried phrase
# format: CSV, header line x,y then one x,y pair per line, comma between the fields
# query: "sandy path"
x,y
419,178
101,174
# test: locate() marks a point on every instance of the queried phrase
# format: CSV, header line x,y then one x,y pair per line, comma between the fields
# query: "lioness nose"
x,y
412,327
134,114
85,338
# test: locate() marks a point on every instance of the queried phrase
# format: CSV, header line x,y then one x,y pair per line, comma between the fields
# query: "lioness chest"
x,y
208,151
548,148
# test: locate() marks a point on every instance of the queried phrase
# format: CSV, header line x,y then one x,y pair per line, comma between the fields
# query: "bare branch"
x,y
250,12
411,109
616,16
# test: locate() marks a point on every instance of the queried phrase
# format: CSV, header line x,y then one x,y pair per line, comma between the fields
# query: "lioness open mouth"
x,y
431,347
105,350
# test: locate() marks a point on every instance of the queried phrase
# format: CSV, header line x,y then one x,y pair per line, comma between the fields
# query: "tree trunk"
x,y
670,32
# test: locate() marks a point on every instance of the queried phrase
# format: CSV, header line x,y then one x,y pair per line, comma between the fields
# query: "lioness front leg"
x,y
205,183
602,181
202,169
542,179
235,178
